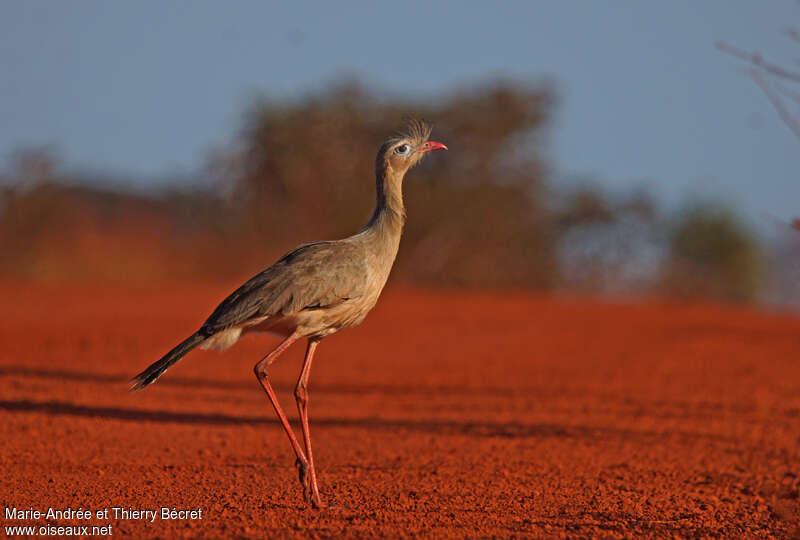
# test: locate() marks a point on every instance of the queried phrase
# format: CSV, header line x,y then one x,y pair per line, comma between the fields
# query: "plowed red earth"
x,y
445,415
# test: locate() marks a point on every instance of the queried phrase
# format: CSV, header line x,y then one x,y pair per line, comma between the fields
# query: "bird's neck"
x,y
386,223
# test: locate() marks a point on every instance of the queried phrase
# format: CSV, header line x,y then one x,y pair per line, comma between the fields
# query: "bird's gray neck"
x,y
386,224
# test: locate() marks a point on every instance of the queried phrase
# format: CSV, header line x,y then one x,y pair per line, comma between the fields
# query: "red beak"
x,y
432,145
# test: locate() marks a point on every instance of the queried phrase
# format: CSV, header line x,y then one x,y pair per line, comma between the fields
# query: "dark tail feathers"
x,y
149,376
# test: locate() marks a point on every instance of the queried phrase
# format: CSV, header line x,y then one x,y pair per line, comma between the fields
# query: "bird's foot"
x,y
310,493
313,493
305,479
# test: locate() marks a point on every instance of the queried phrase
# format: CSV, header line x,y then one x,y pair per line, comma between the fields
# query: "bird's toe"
x,y
304,478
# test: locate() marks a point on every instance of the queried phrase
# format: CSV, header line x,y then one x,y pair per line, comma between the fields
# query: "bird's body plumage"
x,y
315,290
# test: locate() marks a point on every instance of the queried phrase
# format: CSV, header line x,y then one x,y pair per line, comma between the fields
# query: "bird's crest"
x,y
417,130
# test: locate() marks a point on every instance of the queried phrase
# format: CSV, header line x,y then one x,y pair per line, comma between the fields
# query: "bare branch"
x,y
757,60
792,121
791,93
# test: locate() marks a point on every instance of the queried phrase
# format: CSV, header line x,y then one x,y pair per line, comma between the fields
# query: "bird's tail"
x,y
149,376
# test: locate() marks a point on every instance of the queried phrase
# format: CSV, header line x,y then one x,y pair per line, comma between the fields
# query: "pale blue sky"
x,y
145,88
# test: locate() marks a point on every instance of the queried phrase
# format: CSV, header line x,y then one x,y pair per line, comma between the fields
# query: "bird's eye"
x,y
402,149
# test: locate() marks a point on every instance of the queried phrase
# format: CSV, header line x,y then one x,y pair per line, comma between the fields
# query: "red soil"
x,y
443,415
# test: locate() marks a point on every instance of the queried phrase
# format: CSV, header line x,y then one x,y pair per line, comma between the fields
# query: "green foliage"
x,y
711,254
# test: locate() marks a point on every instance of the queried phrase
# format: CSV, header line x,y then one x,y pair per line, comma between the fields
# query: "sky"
x,y
146,89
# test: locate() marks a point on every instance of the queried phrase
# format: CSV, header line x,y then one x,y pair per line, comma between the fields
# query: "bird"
x,y
314,291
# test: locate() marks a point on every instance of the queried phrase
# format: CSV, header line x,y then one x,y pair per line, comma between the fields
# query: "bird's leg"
x,y
301,395
260,370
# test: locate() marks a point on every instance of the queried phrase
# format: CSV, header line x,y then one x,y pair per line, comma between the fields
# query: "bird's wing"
x,y
313,276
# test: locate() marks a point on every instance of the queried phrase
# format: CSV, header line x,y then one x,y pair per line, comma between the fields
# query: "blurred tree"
x,y
711,254
609,243
781,84
481,215
305,171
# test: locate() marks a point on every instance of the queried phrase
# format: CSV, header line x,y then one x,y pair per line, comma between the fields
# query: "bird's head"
x,y
400,153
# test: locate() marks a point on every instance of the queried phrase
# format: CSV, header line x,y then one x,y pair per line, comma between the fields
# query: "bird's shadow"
x,y
198,383
492,429
451,427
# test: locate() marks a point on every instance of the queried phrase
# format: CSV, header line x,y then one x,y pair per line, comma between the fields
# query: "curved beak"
x,y
432,145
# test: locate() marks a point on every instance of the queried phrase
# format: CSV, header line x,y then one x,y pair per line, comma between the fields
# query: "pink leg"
x,y
260,370
301,396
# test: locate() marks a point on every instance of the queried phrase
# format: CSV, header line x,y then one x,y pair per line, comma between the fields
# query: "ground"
x,y
446,414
